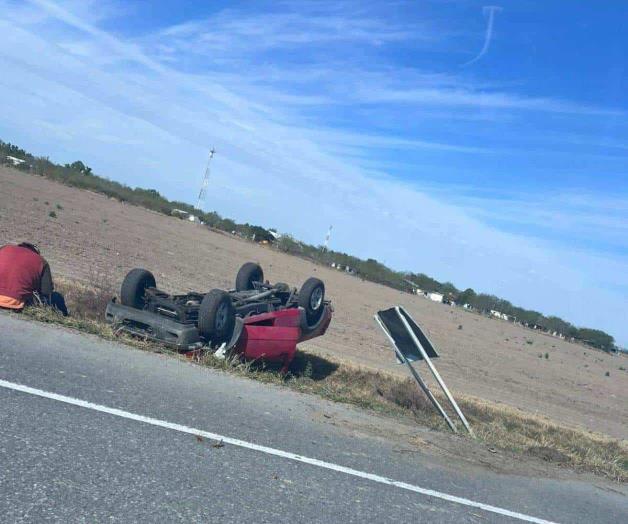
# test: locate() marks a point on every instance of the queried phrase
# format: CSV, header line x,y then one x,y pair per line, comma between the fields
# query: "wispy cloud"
x,y
577,219
339,59
237,32
489,10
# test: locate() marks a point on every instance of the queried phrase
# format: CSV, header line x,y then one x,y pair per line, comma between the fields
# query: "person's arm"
x,y
46,286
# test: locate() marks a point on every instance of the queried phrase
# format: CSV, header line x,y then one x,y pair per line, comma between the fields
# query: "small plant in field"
x,y
35,199
540,355
47,203
622,368
52,214
607,374
528,342
546,356
59,207
459,326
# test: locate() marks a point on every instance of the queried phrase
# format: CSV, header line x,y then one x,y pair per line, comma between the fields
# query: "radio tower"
x,y
327,238
201,193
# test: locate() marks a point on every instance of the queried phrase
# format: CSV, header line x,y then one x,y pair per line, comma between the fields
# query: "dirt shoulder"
x,y
93,237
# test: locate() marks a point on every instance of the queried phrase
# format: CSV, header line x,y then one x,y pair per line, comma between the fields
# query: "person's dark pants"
x,y
56,301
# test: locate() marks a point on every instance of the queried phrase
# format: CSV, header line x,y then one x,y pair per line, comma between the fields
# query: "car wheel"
x,y
249,273
216,317
134,287
312,300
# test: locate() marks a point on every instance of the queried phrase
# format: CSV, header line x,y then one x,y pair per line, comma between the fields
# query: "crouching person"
x,y
25,279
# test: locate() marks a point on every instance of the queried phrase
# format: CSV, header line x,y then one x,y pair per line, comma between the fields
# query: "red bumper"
x,y
274,336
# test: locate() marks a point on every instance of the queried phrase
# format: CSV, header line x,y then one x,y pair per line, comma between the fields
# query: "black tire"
x,y
312,300
216,317
249,273
134,286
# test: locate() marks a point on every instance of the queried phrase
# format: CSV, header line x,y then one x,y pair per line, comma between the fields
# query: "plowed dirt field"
x,y
94,237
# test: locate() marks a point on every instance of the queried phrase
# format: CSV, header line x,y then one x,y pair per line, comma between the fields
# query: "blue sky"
x,y
481,144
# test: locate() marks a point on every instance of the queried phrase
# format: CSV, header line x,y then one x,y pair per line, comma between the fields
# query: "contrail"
x,y
491,10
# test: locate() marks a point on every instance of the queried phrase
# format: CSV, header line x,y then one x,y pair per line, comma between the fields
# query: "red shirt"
x,y
20,275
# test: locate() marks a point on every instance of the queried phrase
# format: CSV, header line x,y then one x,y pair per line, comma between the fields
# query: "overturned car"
x,y
257,319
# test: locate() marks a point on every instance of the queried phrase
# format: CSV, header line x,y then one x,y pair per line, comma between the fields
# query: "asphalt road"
x,y
63,460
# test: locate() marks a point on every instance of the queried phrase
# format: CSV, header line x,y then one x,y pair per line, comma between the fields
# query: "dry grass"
x,y
498,426
512,429
86,302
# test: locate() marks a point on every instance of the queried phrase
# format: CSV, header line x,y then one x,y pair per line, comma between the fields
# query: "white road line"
x,y
271,451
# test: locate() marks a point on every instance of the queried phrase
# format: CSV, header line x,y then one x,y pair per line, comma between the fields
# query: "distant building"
x,y
185,215
498,314
436,297
342,267
15,161
179,213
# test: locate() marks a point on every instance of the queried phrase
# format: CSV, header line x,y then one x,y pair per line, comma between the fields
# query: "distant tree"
x,y
449,291
226,224
556,324
467,296
288,244
254,232
212,219
596,338
527,316
484,302
79,167
424,282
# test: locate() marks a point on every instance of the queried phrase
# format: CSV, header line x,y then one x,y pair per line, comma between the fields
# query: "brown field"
x,y
93,237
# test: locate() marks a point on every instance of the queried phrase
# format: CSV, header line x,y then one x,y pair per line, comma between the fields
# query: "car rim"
x,y
316,299
221,317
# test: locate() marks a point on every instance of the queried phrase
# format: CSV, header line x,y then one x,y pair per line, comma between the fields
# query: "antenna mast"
x,y
327,238
201,193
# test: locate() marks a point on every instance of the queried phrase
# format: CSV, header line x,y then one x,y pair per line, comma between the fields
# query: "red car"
x,y
256,319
